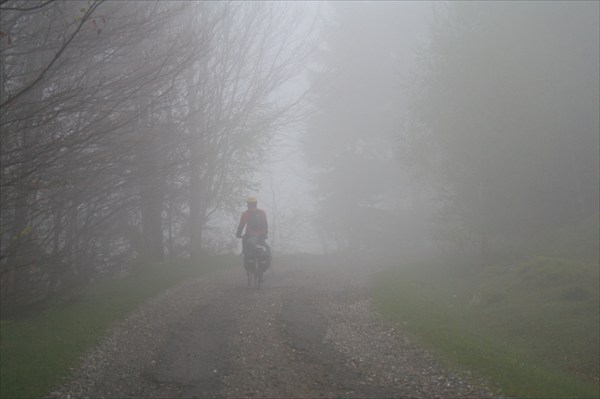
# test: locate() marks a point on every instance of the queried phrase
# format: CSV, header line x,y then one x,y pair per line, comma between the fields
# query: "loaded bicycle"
x,y
257,259
256,252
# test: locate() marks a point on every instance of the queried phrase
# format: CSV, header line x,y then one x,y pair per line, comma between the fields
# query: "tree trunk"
x,y
196,214
151,198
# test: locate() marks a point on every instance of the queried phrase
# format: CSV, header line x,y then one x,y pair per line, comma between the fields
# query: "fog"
x,y
385,130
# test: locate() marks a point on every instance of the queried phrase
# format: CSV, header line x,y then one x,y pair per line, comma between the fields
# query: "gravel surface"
x,y
308,332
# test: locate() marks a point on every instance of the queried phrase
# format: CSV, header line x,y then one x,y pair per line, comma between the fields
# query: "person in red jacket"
x,y
257,227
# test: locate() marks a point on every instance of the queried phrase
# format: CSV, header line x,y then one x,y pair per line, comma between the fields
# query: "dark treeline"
x,y
486,137
126,125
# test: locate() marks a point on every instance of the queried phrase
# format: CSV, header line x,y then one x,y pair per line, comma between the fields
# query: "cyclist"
x,y
257,228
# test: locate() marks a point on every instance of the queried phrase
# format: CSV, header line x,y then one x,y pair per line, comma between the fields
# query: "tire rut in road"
x,y
197,351
281,348
306,329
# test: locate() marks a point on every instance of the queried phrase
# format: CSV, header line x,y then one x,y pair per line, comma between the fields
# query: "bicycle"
x,y
255,264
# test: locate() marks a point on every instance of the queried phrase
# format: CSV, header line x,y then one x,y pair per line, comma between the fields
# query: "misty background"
x,y
134,131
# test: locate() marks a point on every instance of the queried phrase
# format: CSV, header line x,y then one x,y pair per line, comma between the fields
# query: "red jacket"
x,y
255,221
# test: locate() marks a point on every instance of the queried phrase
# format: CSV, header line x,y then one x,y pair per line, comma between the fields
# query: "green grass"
x,y
531,328
39,351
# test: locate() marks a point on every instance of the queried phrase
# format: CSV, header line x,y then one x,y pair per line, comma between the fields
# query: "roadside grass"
x,y
531,328
39,351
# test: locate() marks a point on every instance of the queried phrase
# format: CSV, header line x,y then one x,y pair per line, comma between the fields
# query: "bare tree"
x,y
231,113
123,123
71,128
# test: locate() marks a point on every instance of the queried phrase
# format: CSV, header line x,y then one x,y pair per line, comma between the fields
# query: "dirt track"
x,y
308,332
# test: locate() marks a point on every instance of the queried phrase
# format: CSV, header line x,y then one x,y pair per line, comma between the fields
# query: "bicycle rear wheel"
x,y
258,276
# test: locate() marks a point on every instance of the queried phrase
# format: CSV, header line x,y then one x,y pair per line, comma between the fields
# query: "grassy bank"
x,y
531,327
36,352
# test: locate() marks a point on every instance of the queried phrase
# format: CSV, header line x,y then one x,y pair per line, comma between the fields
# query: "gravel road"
x,y
308,332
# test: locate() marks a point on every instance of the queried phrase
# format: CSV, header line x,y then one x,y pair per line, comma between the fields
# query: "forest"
x,y
126,125
133,131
